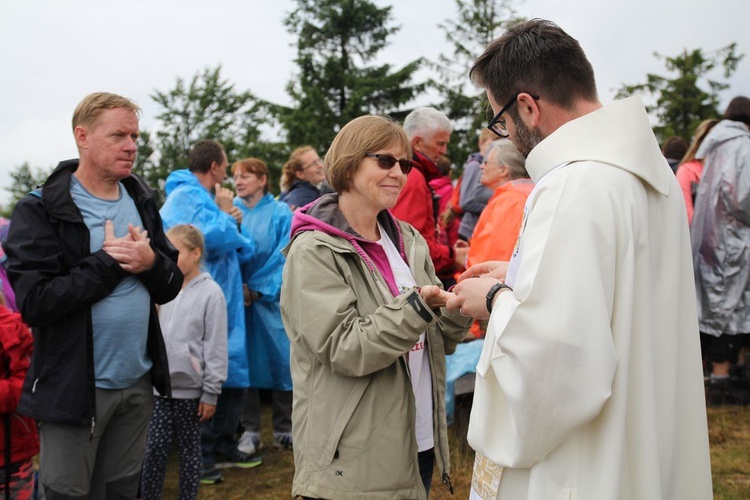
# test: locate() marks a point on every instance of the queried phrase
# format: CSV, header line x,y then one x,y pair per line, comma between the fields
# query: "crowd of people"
x,y
598,268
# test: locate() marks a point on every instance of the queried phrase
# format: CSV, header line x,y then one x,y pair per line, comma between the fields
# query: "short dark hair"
x,y
203,154
675,147
738,110
537,57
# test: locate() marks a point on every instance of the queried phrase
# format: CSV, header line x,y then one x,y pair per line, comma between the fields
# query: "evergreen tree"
x,y
337,39
691,96
477,23
24,179
207,107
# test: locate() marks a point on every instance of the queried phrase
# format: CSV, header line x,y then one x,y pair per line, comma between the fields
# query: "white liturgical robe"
x,y
590,382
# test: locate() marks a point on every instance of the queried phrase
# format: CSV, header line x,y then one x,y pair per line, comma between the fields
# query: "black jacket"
x,y
57,279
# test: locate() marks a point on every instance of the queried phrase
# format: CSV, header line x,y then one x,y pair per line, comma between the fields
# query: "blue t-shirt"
x,y
120,320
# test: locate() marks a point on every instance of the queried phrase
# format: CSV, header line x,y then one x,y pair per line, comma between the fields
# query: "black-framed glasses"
x,y
497,124
386,162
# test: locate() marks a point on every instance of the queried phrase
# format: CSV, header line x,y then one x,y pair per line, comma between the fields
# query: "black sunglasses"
x,y
386,162
497,124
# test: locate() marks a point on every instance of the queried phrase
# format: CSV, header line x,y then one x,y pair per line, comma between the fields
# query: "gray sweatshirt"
x,y
194,325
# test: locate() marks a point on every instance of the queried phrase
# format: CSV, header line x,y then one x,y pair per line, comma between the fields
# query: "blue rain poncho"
x,y
269,223
190,203
720,231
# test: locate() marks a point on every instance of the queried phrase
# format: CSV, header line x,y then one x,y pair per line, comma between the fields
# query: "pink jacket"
x,y
689,175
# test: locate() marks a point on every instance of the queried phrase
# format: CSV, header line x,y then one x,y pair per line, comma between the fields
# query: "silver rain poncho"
x,y
720,231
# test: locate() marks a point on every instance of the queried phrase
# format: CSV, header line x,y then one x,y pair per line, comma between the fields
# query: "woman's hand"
x,y
435,296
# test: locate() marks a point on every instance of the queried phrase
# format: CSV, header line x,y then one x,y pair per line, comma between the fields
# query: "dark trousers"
x,y
426,466
281,408
77,461
218,435
724,347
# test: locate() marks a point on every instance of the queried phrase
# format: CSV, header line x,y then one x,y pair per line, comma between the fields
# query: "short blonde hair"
x,y
89,109
357,138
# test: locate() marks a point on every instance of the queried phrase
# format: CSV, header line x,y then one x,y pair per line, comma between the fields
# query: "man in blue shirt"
x,y
88,260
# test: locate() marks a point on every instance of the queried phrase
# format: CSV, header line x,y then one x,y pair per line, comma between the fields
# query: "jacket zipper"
x,y
93,424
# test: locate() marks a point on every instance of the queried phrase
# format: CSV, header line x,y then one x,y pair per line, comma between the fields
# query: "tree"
x,y
691,96
336,41
24,179
477,23
207,107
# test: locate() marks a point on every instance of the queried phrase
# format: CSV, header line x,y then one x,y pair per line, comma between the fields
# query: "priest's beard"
x,y
524,138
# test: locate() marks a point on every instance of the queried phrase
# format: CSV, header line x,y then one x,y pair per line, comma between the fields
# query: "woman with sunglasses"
x,y
364,312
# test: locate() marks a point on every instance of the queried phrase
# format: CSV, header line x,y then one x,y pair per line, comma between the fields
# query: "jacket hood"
x,y
201,277
619,135
324,215
181,178
725,130
426,166
477,157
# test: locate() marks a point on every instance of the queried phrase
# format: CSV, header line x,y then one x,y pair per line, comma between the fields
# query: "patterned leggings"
x,y
172,417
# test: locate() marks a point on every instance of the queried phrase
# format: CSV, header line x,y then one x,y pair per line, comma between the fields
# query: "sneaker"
x,y
238,459
249,443
211,477
282,440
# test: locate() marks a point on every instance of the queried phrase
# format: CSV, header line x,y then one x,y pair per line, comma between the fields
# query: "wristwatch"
x,y
493,291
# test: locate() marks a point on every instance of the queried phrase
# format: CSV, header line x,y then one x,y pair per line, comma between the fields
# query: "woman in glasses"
x,y
301,177
364,311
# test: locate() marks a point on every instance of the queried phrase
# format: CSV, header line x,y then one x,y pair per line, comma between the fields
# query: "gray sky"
x,y
55,52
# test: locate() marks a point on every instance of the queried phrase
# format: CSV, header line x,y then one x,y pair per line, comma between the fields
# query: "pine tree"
x,y
24,179
477,23
336,40
207,107
691,96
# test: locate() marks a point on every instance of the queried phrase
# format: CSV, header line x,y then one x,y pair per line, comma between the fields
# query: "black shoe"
x,y
238,459
211,477
724,393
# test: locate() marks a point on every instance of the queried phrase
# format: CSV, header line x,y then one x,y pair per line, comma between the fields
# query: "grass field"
x,y
729,434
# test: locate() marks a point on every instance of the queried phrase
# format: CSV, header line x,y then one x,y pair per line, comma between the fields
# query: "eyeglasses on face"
x,y
386,162
316,162
497,124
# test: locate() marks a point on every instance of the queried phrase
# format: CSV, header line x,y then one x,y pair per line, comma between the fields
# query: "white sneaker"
x,y
249,443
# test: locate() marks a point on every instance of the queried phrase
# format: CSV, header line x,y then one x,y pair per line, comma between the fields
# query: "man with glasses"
x,y
195,196
589,384
429,131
